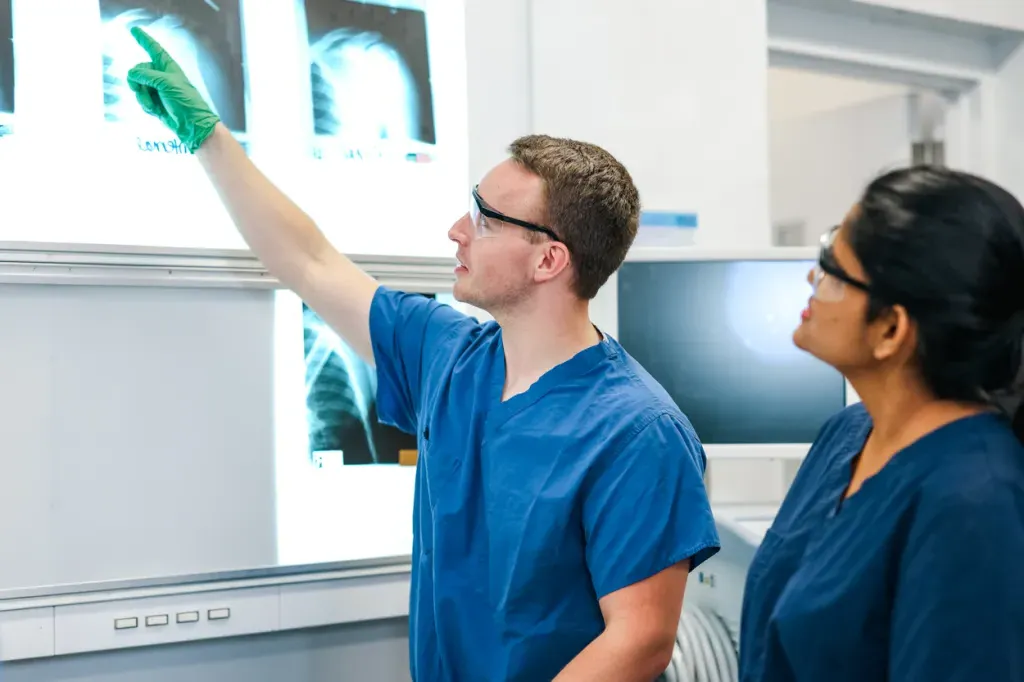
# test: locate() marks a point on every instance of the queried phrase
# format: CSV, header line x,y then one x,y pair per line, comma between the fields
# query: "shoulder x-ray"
x,y
362,88
369,70
190,36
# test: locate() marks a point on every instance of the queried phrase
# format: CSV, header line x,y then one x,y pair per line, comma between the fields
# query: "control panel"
x,y
161,620
134,617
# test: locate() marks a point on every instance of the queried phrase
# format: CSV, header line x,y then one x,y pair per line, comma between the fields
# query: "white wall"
x,y
1006,137
821,161
498,80
676,90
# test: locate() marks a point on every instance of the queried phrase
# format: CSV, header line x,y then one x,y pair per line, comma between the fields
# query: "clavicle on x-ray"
x,y
121,53
362,88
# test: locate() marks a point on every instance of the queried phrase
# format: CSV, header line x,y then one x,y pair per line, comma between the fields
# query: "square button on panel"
x,y
125,623
156,621
218,614
188,617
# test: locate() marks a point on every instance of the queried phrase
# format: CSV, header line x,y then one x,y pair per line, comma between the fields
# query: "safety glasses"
x,y
488,222
828,279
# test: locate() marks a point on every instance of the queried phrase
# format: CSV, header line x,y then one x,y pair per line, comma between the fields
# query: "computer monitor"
x,y
715,329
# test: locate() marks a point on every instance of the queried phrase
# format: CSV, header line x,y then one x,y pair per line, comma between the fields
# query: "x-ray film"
x,y
341,403
370,76
6,67
203,36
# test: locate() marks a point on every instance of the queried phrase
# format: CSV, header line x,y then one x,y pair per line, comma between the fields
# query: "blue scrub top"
x,y
917,577
528,511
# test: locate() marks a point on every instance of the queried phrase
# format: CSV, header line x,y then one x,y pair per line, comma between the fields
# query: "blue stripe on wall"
x,y
668,219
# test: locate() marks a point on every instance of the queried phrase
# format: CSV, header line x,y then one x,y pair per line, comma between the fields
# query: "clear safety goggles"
x,y
488,222
829,281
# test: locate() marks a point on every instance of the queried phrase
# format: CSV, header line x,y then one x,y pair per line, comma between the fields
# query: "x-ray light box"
x,y
345,104
344,481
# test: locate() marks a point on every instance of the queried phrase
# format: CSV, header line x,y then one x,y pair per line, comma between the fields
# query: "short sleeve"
x,y
647,508
408,333
959,601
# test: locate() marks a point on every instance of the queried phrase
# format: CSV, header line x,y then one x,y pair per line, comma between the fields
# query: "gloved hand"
x,y
164,91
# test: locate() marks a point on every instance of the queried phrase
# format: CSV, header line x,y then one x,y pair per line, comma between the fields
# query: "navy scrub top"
x,y
917,577
528,511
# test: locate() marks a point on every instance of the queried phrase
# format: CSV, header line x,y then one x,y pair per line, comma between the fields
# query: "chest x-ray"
x,y
6,61
203,36
369,67
341,403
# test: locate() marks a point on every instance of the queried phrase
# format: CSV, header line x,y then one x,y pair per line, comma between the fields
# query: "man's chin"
x,y
460,294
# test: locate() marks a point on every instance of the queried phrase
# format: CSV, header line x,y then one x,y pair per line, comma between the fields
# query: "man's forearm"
x,y
280,233
288,242
620,656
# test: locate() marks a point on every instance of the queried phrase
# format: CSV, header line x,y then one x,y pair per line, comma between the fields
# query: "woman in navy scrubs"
x,y
898,554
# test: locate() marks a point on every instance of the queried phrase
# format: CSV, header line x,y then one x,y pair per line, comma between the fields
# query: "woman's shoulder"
x,y
853,417
973,461
844,430
838,440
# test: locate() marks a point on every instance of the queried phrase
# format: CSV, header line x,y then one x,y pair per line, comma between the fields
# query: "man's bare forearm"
x,y
620,656
280,233
288,242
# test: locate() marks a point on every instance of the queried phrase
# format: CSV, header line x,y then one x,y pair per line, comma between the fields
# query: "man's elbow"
x,y
660,655
652,651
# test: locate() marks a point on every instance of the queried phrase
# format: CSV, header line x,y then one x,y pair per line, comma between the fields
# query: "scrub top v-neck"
x,y
915,577
531,509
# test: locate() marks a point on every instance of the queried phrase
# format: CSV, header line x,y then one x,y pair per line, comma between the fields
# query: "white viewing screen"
x,y
356,109
344,481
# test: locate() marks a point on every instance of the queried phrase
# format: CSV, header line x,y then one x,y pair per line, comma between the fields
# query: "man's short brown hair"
x,y
591,204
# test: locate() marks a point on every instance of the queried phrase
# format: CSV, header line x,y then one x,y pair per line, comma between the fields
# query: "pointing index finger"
x,y
154,49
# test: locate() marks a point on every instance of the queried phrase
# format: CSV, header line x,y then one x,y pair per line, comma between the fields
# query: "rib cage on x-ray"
x,y
362,88
341,402
340,391
178,35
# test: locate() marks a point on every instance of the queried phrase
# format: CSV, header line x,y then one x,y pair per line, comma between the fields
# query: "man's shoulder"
x,y
629,419
639,398
440,325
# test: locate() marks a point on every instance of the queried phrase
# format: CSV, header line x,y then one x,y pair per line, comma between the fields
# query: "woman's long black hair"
x,y
949,247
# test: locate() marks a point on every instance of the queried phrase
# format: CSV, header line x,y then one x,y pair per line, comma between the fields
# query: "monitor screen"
x,y
717,335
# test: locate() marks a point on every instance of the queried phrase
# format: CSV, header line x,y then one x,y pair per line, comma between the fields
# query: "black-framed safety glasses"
x,y
488,222
829,278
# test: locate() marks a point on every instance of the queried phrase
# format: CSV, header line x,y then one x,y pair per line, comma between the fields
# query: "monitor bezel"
x,y
773,451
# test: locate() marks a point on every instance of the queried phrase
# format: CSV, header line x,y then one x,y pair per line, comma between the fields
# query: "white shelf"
x,y
111,265
779,451
26,634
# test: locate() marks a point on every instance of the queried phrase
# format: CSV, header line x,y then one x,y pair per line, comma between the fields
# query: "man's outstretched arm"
x,y
281,235
288,242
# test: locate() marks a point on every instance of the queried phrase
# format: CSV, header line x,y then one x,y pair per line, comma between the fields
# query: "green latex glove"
x,y
164,91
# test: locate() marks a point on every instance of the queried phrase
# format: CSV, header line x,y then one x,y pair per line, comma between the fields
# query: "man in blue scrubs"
x,y
560,502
